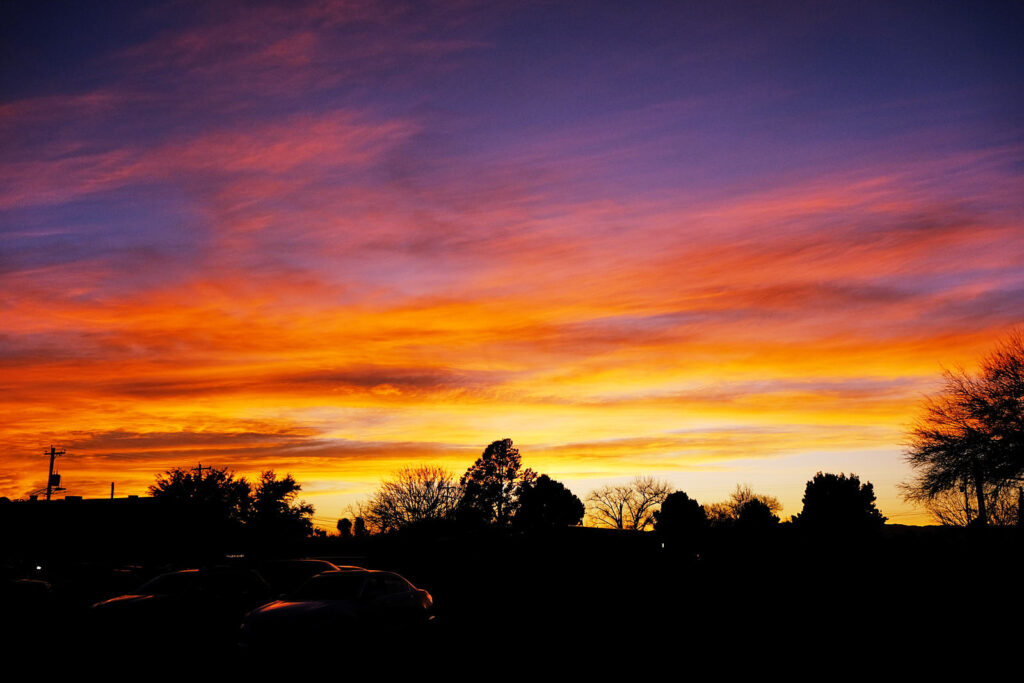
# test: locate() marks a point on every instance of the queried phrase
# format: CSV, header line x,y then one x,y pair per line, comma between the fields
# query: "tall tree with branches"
x,y
971,434
275,514
492,485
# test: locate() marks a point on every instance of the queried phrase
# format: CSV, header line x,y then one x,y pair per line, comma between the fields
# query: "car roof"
x,y
298,560
358,570
208,571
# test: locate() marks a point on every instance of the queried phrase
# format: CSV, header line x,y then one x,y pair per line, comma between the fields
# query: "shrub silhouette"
x,y
546,503
345,527
840,503
680,522
755,515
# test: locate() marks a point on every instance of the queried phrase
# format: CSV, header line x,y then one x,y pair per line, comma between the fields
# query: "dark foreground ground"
x,y
585,598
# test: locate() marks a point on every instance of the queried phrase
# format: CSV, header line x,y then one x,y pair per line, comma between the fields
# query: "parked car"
x,y
33,599
284,576
341,604
183,605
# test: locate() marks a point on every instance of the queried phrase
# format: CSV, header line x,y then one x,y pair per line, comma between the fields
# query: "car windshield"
x,y
331,586
294,573
169,584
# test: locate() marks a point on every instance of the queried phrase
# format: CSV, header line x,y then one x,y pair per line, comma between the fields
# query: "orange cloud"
x,y
263,242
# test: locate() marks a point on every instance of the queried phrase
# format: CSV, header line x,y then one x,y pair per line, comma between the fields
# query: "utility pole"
x,y
54,454
199,471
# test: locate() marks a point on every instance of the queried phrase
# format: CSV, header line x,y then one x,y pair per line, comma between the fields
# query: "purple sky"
x,y
715,242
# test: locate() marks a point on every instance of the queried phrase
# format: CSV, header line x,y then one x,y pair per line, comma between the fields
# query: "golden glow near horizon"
x,y
287,239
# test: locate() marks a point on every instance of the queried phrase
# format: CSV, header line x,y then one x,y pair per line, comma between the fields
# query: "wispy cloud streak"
x,y
339,237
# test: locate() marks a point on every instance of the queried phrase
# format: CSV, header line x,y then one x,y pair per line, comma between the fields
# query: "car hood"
x,y
125,601
285,609
291,618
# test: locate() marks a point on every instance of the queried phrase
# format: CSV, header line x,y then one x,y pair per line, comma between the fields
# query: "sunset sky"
x,y
714,242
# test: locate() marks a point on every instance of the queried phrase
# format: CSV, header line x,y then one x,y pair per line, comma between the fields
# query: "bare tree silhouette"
x,y
413,495
743,494
627,506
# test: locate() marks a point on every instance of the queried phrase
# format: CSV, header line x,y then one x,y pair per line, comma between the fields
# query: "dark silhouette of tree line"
x,y
494,492
635,505
497,492
832,504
